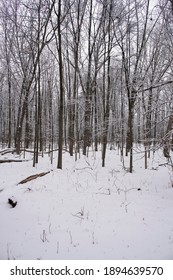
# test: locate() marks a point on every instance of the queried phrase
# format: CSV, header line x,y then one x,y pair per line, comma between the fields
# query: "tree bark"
x,y
61,87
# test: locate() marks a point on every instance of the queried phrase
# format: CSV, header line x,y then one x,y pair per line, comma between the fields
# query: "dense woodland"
x,y
77,74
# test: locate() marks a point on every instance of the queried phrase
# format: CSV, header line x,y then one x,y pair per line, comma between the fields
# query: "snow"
x,y
85,211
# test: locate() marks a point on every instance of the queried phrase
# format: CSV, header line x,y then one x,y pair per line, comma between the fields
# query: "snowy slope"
x,y
85,211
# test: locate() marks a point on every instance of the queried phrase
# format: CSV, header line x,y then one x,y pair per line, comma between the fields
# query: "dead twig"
x,y
43,237
80,217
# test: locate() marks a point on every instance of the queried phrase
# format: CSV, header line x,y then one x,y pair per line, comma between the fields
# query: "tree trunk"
x,y
168,138
129,139
61,86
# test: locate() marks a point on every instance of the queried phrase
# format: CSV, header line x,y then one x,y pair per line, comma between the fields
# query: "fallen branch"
x,y
55,150
6,151
9,150
77,216
84,168
164,164
33,177
12,160
13,150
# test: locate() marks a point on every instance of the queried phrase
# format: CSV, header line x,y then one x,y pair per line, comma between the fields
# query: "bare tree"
x,y
25,51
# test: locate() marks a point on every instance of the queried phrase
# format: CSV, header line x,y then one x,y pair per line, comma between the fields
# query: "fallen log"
x,y
6,151
12,160
12,151
33,177
55,150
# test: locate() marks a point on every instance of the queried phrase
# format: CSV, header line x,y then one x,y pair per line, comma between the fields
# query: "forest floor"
x,y
85,211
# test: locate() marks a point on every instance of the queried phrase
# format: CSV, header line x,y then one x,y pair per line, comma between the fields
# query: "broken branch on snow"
x,y
12,160
32,177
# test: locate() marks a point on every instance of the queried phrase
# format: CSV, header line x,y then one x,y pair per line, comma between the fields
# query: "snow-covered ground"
x,y
85,211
